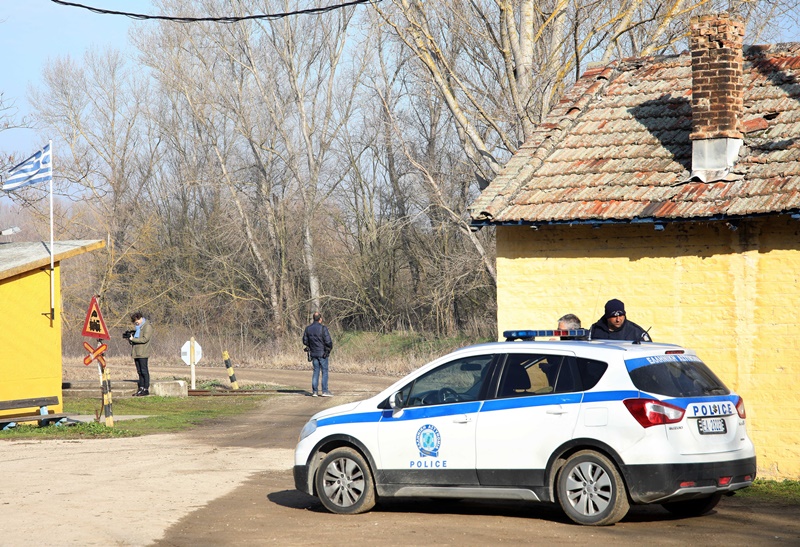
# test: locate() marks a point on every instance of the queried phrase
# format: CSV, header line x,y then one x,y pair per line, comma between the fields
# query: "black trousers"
x,y
144,374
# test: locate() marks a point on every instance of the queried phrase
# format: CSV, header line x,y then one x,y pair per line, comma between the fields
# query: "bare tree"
x,y
316,88
102,156
499,65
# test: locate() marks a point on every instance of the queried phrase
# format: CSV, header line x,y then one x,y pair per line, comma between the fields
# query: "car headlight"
x,y
308,429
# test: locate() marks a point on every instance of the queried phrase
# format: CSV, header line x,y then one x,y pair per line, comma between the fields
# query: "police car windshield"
x,y
678,379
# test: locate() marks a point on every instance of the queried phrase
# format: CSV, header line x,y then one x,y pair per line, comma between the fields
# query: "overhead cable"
x,y
146,17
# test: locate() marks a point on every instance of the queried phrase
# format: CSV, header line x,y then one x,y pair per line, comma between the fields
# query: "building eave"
x,y
656,222
20,258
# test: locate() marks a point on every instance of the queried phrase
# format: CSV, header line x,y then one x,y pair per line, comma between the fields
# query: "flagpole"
x,y
52,268
32,171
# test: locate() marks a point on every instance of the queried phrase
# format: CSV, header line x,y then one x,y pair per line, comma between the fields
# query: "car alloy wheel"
x,y
344,482
591,491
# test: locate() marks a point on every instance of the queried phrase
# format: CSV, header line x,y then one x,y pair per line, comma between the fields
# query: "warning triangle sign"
x,y
94,325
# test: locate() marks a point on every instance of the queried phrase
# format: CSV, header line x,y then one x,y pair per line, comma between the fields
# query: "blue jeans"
x,y
319,363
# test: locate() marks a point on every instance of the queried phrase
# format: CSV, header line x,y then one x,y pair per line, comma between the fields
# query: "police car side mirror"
x,y
396,400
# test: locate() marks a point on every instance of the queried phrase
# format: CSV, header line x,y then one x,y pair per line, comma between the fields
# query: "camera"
x,y
308,352
128,334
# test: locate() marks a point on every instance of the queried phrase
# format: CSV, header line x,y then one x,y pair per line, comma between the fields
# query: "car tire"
x,y
591,490
344,482
692,508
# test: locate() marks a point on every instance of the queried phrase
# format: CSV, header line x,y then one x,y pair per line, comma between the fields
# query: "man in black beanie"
x,y
614,325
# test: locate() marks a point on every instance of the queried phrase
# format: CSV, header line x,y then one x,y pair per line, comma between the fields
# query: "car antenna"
x,y
645,333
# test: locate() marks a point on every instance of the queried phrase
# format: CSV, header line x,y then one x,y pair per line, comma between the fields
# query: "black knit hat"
x,y
614,308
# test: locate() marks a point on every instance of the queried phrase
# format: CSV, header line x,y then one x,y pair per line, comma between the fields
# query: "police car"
x,y
593,425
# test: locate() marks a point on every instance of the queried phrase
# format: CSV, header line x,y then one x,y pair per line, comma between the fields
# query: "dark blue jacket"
x,y
629,331
318,340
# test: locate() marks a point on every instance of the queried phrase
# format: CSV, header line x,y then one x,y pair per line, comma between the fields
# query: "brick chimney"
x,y
717,95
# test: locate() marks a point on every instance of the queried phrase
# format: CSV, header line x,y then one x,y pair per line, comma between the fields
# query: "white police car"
x,y
593,425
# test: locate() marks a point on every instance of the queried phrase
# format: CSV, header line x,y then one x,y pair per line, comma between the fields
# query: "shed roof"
x,y
18,258
616,149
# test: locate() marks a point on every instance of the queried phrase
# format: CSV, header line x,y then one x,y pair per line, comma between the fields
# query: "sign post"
x,y
191,353
95,327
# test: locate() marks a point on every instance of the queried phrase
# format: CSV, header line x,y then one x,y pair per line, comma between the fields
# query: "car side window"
x,y
590,371
538,374
460,380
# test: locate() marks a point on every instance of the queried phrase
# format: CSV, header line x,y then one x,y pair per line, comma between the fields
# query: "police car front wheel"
x,y
344,482
591,491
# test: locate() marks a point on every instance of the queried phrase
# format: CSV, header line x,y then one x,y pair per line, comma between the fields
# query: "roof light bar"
x,y
511,335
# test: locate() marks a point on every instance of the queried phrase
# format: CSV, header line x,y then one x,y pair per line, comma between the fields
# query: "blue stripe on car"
x,y
530,401
422,412
362,417
600,396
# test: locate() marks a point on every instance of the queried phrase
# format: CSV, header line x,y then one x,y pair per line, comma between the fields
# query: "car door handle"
x,y
462,419
556,411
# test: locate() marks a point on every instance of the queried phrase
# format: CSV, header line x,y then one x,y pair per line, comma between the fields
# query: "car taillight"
x,y
740,408
649,412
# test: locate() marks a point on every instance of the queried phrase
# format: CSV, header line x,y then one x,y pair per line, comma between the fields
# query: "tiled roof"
x,y
617,148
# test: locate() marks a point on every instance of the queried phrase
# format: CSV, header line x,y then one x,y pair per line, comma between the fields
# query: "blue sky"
x,y
33,31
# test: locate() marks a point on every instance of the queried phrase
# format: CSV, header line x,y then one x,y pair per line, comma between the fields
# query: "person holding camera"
x,y
318,345
139,339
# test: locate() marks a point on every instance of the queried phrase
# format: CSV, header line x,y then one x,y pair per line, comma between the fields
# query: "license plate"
x,y
711,426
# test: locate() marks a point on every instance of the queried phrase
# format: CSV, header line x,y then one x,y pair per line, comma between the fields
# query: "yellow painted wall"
x,y
731,295
30,345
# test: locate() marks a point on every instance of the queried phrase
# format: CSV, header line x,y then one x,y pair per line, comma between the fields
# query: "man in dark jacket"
x,y
614,326
318,344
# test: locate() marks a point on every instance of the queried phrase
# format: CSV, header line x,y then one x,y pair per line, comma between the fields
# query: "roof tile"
x,y
617,147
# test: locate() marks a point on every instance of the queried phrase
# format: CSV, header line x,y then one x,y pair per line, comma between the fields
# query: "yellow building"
x,y
673,186
30,340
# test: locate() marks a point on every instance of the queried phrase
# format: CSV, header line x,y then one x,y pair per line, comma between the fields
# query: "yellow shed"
x,y
670,183
30,340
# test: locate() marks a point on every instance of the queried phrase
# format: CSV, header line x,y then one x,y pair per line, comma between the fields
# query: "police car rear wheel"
x,y
692,508
344,482
591,491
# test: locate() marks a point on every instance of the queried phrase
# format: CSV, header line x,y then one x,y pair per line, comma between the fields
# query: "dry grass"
x,y
393,354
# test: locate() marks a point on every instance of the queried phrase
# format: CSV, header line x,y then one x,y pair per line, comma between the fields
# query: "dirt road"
x,y
231,483
266,509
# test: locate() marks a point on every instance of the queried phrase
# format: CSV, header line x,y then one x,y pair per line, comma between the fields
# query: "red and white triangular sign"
x,y
94,325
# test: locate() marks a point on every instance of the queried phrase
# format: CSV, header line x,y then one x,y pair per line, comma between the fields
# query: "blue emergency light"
x,y
511,335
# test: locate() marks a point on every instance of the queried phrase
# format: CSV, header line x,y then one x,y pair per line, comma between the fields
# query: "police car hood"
x,y
336,410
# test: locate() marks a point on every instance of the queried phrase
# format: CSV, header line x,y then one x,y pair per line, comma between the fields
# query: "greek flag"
x,y
37,168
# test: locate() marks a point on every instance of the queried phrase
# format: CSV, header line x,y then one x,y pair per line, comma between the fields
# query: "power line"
x,y
145,17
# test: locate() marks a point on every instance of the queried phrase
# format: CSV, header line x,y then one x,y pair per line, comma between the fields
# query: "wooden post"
x,y
191,358
105,384
98,353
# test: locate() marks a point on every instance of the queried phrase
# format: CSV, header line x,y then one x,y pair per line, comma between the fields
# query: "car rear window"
x,y
678,379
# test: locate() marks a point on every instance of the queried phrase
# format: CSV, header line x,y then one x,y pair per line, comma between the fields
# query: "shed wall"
x,y
729,294
30,345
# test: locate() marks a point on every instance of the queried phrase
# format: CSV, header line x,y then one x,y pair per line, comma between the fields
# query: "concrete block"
x,y
176,388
